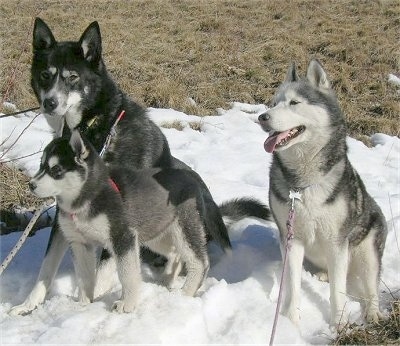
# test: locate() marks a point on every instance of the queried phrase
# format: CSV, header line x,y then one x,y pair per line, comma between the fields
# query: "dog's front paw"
x,y
83,298
121,306
293,315
22,309
373,316
36,298
338,321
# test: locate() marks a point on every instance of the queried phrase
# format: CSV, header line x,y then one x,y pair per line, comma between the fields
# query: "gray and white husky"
x,y
75,91
338,227
90,215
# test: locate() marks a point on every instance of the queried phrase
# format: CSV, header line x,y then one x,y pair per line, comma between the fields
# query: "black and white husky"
x,y
164,208
90,215
75,91
338,227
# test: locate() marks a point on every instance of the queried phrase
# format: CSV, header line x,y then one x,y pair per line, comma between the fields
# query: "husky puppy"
x,y
75,91
338,227
90,215
164,207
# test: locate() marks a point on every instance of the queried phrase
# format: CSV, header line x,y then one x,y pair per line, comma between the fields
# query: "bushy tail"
x,y
239,208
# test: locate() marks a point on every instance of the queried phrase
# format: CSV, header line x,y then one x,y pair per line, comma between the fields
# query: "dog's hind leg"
x,y
165,246
193,252
56,250
363,278
172,268
197,270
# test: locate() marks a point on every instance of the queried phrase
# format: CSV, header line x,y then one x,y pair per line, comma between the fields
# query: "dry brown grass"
x,y
14,194
14,187
384,332
218,51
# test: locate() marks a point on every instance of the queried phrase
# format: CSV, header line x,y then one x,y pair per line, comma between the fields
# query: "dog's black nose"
x,y
32,185
50,104
264,117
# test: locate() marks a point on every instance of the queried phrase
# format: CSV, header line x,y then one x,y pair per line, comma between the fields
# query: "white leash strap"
x,y
111,134
22,239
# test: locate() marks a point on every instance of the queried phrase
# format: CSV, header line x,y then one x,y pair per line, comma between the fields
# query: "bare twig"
x,y
20,135
22,157
19,112
394,225
8,137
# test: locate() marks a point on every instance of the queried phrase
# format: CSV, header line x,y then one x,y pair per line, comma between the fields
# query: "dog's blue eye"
x,y
45,75
293,102
73,78
56,171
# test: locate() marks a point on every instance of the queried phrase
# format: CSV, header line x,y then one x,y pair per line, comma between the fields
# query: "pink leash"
x,y
290,234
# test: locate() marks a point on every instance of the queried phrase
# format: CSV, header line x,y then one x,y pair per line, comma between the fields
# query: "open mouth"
x,y
280,139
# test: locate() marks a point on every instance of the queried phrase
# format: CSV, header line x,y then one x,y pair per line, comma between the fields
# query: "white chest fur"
x,y
81,228
316,222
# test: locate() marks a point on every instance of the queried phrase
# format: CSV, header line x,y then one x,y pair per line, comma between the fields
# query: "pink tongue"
x,y
271,142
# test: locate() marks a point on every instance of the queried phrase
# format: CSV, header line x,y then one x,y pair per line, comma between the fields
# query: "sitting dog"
x,y
76,92
338,227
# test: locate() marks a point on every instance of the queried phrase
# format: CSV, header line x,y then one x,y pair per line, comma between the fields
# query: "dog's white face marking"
x,y
68,101
53,181
53,161
292,112
52,70
45,185
73,116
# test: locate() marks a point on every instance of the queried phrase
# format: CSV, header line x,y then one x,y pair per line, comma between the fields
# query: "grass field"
x,y
196,55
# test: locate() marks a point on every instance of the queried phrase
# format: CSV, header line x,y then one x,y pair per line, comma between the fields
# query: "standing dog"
x,y
73,87
338,226
90,214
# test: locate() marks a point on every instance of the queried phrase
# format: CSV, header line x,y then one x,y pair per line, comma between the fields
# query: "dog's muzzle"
x,y
32,186
50,104
263,119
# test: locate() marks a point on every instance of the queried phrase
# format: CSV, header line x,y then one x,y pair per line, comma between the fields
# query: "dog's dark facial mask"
x,y
64,74
63,168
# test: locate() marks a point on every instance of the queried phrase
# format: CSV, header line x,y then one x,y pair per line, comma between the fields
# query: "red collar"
x,y
113,185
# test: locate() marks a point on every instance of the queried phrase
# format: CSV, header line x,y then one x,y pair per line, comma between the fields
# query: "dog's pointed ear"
x,y
317,75
291,75
78,146
42,36
90,42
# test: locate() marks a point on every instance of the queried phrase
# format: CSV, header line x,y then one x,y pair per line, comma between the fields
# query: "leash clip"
x,y
293,195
